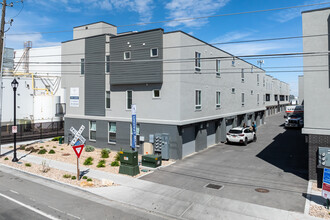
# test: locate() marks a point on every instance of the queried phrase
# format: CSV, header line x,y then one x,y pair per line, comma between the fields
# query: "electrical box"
x,y
151,138
162,145
324,156
151,161
129,157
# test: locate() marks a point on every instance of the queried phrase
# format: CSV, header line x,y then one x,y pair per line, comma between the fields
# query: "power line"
x,y
184,19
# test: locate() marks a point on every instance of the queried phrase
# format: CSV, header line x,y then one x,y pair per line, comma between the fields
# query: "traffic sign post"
x,y
326,185
133,107
77,144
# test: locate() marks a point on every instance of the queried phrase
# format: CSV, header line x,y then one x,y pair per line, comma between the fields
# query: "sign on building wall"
x,y
326,184
74,97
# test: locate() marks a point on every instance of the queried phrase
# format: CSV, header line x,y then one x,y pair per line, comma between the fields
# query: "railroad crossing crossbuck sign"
x,y
78,138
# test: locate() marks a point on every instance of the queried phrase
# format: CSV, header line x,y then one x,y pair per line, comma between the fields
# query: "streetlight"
x,y
14,84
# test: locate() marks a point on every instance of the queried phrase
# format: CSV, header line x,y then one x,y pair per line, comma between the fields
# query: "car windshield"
x,y
232,131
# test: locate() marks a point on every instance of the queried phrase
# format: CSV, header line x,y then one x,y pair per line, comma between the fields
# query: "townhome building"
x,y
181,86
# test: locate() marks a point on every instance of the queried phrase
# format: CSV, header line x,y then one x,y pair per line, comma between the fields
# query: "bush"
x,y
89,148
105,153
89,180
47,145
56,138
32,149
85,177
115,163
62,148
51,152
41,147
6,158
117,157
67,176
73,177
89,161
54,146
45,167
101,163
21,147
28,165
42,151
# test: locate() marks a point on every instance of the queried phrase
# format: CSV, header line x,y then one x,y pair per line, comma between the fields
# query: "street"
x,y
26,197
276,162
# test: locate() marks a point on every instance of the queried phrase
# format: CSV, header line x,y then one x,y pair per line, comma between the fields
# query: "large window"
x,y
92,130
242,75
127,55
243,99
82,66
198,99
217,68
217,100
281,97
275,98
112,133
128,99
197,61
107,64
107,99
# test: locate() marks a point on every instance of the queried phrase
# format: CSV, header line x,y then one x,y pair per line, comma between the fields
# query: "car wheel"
x,y
245,141
228,142
254,138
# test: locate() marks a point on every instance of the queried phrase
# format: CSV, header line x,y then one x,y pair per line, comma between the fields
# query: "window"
x,y
156,93
267,97
257,79
242,99
257,99
198,99
197,61
112,133
127,55
242,75
92,130
217,100
281,97
232,90
107,64
137,135
286,98
217,68
107,99
82,66
275,97
251,92
154,52
263,81
128,100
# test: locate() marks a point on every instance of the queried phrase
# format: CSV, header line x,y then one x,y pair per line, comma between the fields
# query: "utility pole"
x,y
2,31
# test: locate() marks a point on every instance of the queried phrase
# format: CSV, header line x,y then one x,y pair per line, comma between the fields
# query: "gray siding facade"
x,y
128,71
95,76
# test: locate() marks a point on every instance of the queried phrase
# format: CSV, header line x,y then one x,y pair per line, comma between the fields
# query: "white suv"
x,y
241,135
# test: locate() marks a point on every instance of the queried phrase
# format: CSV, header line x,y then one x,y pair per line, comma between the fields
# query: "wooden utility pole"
x,y
2,31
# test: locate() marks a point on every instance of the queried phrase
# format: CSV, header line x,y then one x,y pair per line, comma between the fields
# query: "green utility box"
x,y
151,160
129,163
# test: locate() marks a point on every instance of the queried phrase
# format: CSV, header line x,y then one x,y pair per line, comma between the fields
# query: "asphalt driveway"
x,y
276,162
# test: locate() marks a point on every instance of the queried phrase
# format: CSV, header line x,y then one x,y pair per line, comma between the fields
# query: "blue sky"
x,y
62,15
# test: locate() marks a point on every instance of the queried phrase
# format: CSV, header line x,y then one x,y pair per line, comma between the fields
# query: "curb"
x,y
308,198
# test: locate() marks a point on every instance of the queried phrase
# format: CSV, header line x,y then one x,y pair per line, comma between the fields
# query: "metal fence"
x,y
27,132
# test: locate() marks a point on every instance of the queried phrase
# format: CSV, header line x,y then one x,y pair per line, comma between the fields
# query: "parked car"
x,y
241,135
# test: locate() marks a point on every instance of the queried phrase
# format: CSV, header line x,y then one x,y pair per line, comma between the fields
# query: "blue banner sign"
x,y
133,126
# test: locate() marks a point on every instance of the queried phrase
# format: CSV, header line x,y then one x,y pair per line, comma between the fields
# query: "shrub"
x,y
85,177
28,165
51,152
101,163
89,161
54,146
62,148
43,151
73,177
115,163
22,147
56,138
47,145
6,158
32,149
45,167
105,153
117,157
89,180
66,176
41,147
89,148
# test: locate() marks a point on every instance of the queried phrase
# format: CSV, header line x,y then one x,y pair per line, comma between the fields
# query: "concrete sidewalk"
x,y
176,202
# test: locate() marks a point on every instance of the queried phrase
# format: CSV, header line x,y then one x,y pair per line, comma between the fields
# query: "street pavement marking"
x,y
73,216
56,209
13,191
29,207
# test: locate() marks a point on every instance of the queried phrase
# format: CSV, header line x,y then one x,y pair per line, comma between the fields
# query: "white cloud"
x,y
181,9
231,36
250,48
17,41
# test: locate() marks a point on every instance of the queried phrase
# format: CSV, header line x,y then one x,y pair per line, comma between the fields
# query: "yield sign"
x,y
78,149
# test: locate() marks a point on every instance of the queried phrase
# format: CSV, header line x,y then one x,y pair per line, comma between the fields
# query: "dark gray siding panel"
x,y
130,72
201,137
95,76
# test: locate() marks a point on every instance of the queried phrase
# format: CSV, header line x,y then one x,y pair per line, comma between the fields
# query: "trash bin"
x,y
60,140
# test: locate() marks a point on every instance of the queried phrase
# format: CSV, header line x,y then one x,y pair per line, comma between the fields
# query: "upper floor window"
x,y
129,99
257,99
127,55
112,133
198,99
156,93
82,66
275,97
218,67
217,99
263,81
197,61
257,79
92,130
107,99
232,90
154,52
267,97
242,75
243,99
107,64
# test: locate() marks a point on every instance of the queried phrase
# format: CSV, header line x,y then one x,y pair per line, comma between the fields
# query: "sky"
x,y
52,21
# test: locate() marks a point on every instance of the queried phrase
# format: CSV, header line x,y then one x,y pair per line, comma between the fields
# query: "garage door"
x,y
188,141
229,124
211,134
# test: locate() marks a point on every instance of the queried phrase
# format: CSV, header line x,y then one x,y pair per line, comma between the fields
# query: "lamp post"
x,y
14,84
